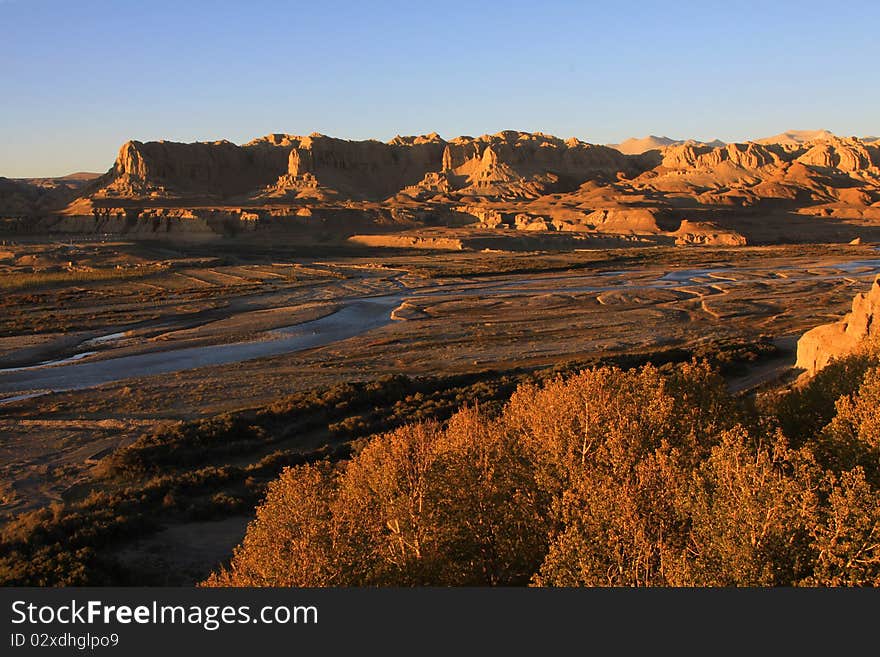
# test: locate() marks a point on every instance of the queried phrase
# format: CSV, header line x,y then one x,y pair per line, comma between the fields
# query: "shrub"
x,y
644,477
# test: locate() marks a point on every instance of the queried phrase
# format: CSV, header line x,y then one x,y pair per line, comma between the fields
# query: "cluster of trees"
x,y
643,477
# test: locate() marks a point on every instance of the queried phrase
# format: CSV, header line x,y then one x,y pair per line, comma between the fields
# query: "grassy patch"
x,y
30,281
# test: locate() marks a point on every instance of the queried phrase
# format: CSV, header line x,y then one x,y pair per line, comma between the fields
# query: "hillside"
x,y
34,196
636,146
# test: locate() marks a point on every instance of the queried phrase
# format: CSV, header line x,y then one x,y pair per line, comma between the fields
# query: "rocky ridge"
x,y
819,346
803,186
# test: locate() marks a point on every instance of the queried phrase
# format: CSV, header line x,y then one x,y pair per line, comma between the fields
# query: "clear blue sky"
x,y
79,78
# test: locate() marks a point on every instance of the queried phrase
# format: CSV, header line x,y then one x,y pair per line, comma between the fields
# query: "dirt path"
x,y
768,370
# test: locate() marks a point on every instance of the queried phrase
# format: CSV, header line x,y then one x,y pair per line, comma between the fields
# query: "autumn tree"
x,y
491,511
291,541
385,509
852,438
847,536
751,506
643,477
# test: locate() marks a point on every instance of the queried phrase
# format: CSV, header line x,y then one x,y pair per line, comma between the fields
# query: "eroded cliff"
x,y
806,186
857,329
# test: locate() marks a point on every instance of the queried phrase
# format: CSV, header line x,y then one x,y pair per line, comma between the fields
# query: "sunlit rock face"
x,y
802,186
821,345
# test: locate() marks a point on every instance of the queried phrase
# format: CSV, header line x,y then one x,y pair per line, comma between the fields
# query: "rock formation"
x,y
706,233
528,165
707,158
507,165
172,170
821,345
359,169
29,196
802,187
848,155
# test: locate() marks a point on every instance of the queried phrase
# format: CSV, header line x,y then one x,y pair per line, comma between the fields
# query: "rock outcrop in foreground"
x,y
821,345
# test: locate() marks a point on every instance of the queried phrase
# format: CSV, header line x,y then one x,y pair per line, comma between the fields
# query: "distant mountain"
x,y
322,168
77,179
24,196
796,137
636,146
506,167
80,175
715,143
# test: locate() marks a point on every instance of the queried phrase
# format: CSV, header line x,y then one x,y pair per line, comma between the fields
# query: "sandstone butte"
x,y
798,186
819,346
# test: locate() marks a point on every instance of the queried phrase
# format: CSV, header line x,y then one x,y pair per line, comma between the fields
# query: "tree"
x,y
751,508
291,541
847,538
852,438
491,511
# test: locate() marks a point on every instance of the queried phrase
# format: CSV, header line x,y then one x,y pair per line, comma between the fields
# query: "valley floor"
x,y
93,357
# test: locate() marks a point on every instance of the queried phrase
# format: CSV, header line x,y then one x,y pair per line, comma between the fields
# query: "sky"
x,y
78,78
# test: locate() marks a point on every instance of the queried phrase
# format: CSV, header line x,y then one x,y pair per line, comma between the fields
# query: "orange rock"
x,y
819,346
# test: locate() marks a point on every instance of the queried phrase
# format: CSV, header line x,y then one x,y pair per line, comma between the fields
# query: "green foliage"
x,y
346,412
187,444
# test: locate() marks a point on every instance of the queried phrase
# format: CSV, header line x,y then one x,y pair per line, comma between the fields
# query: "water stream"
x,y
356,316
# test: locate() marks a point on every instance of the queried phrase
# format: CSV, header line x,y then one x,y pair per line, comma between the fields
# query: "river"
x,y
359,315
